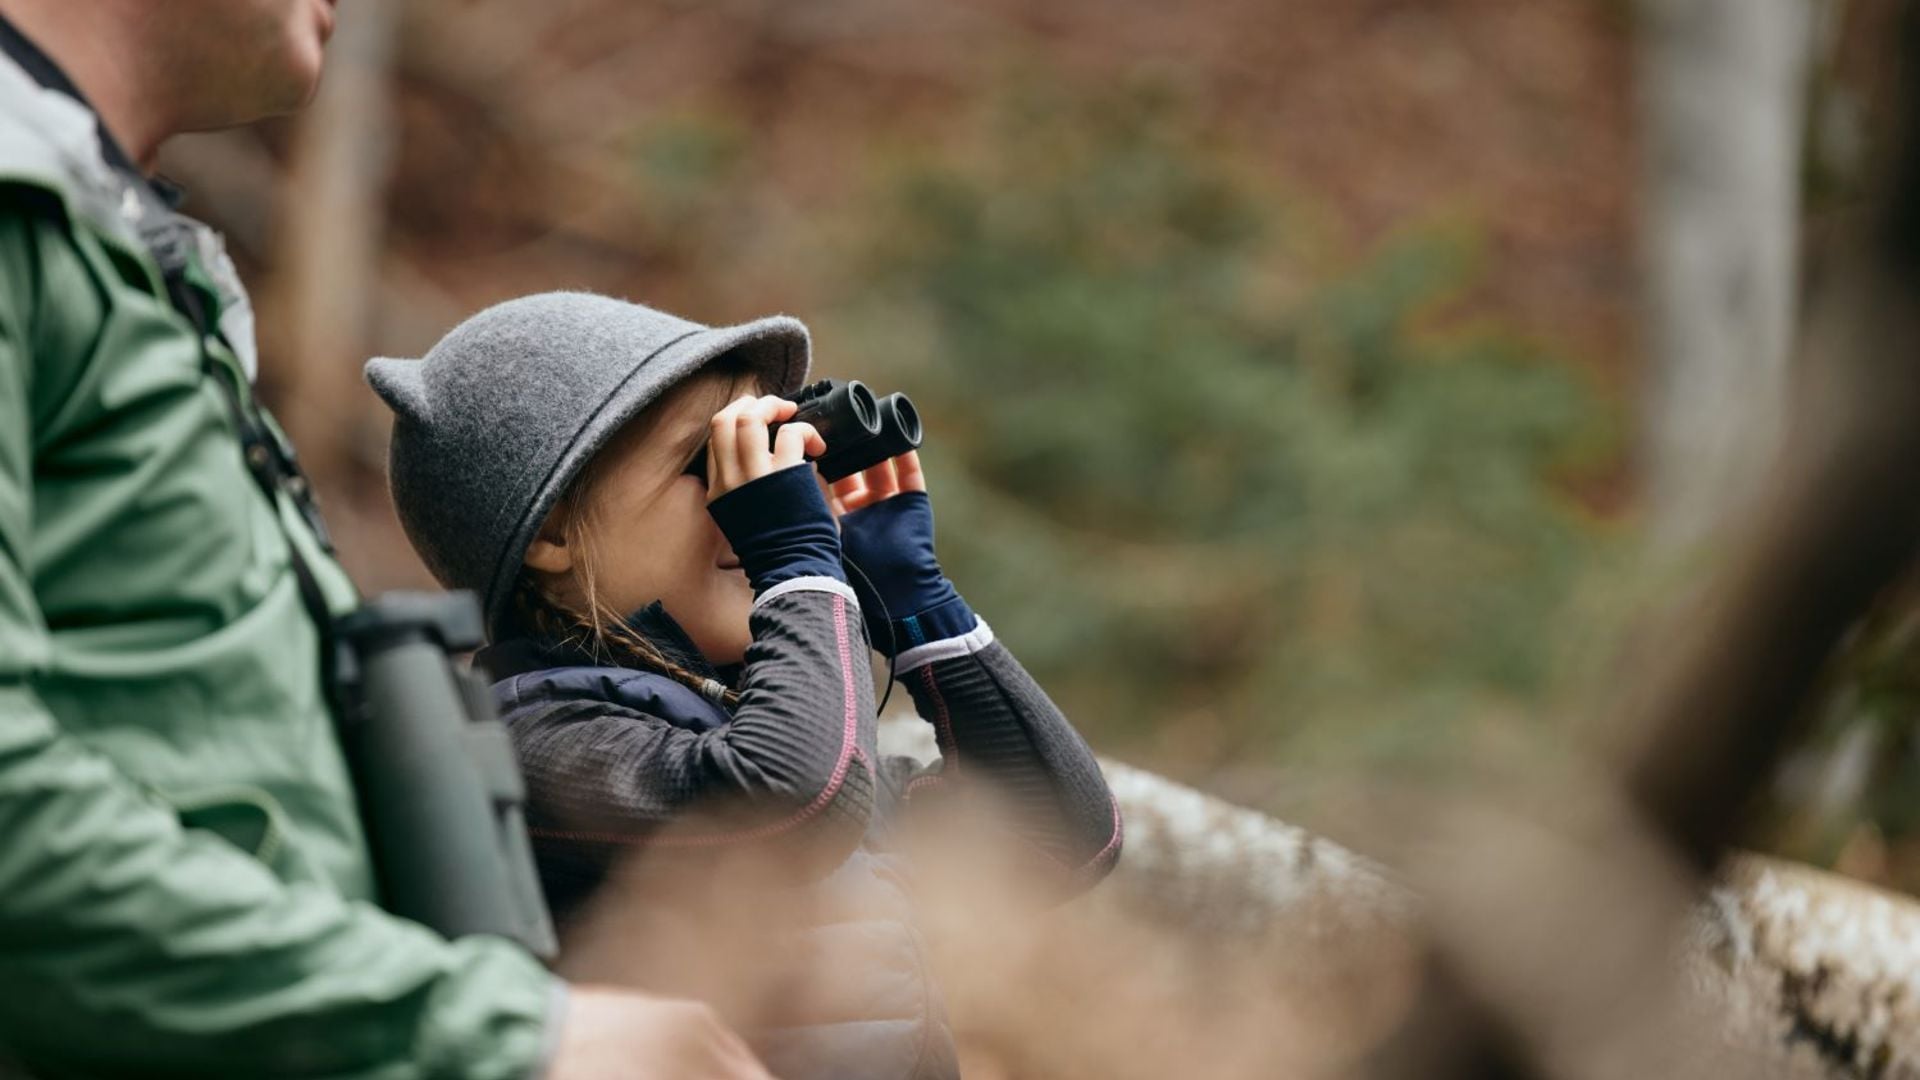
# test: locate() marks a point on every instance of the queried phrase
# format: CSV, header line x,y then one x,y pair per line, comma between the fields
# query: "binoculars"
x,y
439,785
861,430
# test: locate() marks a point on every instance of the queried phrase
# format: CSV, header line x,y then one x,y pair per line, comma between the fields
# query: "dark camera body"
x,y
439,785
861,430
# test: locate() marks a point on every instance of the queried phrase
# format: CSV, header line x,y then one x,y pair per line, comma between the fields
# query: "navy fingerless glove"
x,y
780,527
891,543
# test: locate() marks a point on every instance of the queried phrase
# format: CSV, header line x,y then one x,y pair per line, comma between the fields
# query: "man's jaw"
x,y
327,11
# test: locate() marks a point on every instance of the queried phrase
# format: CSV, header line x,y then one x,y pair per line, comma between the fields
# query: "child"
x,y
684,662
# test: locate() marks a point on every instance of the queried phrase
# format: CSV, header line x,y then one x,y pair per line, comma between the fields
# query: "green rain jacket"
x,y
184,886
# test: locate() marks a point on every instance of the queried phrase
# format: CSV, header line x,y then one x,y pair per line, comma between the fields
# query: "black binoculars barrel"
x,y
841,412
441,789
861,430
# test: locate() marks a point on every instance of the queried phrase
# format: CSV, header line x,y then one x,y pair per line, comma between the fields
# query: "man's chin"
x,y
295,80
303,79
286,96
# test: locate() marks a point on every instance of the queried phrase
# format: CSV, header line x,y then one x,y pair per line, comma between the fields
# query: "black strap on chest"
x,y
269,458
169,238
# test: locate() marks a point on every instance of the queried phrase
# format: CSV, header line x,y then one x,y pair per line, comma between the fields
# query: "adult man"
x,y
184,883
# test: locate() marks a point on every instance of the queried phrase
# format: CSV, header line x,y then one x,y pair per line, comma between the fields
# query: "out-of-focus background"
x,y
1286,368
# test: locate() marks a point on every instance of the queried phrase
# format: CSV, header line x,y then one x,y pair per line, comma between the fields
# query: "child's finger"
x,y
881,481
907,468
850,491
763,412
722,460
752,448
793,442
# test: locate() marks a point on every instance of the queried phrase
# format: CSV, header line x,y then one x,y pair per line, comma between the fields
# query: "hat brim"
x,y
777,349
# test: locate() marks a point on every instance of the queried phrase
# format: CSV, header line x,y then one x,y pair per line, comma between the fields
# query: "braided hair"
x,y
603,634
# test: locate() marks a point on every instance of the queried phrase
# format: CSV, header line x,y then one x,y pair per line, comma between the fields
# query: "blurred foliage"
x,y
1214,485
1851,798
687,168
1239,490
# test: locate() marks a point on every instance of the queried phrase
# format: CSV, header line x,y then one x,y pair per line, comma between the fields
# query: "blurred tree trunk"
x,y
1723,90
329,229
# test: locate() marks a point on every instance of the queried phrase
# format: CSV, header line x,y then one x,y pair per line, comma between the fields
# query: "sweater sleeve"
x,y
796,761
995,725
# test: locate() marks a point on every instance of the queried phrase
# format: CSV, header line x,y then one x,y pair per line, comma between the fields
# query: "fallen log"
x,y
1231,944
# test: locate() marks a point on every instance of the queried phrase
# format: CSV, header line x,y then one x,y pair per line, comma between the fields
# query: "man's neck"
x,y
101,69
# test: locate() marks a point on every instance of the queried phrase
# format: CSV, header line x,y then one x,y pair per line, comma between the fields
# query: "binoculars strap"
x,y
268,459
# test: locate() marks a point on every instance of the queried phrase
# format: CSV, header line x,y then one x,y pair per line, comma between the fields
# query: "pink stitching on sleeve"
x,y
942,721
917,783
950,751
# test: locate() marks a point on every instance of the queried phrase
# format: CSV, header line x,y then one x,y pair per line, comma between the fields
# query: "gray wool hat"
x,y
493,424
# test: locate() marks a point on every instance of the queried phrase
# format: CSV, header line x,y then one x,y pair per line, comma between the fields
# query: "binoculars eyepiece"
x,y
861,430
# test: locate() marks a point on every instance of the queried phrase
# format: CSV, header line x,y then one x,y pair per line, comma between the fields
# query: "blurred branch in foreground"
x,y
1229,944
1594,873
331,228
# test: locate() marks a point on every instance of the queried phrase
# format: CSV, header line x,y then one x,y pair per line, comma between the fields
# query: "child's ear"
x,y
549,553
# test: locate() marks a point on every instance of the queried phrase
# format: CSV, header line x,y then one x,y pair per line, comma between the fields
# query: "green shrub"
x,y
1196,471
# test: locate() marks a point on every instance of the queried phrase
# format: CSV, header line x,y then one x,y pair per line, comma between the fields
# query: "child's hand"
x,y
886,531
738,447
882,481
768,502
607,1034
